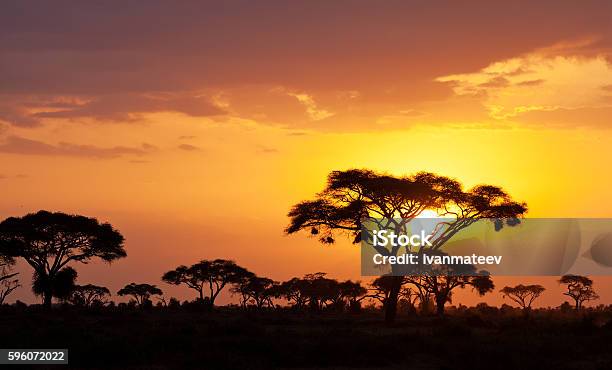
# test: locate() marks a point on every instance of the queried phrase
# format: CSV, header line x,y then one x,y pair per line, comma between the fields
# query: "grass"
x,y
232,339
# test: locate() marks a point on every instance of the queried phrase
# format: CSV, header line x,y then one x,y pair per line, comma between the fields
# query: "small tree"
x,y
50,241
8,282
141,292
255,289
354,293
214,275
524,295
451,277
88,295
295,291
579,288
382,290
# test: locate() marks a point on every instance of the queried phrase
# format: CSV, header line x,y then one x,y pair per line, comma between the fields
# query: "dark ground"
x,y
168,339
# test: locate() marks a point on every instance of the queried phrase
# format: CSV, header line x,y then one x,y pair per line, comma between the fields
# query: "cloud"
x,y
17,176
347,68
312,110
126,107
189,147
266,150
544,83
24,146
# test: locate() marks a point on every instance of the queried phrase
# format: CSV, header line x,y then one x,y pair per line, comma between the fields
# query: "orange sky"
x,y
193,128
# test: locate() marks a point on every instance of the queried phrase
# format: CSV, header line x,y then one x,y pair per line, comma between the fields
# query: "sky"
x,y
193,126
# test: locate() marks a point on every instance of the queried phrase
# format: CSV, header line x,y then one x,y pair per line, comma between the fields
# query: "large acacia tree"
x,y
353,196
49,241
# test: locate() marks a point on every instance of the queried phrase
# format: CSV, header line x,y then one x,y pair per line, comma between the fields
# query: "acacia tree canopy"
x,y
49,241
579,288
256,289
89,294
141,292
524,295
214,275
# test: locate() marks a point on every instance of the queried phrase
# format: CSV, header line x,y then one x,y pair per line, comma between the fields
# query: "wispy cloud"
x,y
189,148
24,146
312,110
537,82
266,149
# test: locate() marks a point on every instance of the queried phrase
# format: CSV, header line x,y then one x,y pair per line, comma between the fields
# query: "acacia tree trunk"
x,y
440,306
47,297
440,301
391,302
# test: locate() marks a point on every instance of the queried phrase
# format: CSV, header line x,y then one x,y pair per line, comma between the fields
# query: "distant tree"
x,y
321,291
354,293
50,241
524,295
214,275
441,286
579,288
295,291
352,195
315,290
60,287
88,295
141,292
193,277
255,289
8,280
382,287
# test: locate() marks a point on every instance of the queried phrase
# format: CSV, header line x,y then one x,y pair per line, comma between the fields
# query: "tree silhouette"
x,y
353,195
50,241
295,291
8,282
320,290
88,295
382,288
579,288
524,295
214,275
60,287
255,289
141,292
440,284
354,293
